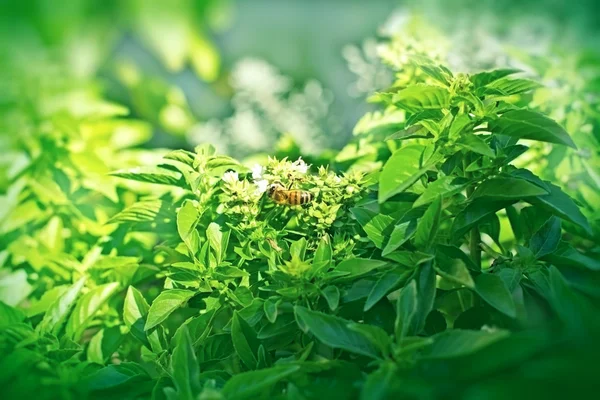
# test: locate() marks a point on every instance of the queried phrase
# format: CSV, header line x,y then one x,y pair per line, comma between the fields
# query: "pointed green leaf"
x,y
460,343
185,370
492,289
187,218
334,332
422,97
560,204
377,226
332,295
59,311
87,307
386,283
401,171
428,225
352,267
253,384
406,311
501,188
476,144
526,124
157,175
401,234
546,239
166,302
244,341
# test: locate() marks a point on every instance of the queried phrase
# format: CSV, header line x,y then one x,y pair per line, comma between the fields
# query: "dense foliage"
x,y
447,251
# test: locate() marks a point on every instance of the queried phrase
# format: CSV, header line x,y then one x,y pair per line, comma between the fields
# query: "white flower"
x,y
257,171
230,177
300,166
261,186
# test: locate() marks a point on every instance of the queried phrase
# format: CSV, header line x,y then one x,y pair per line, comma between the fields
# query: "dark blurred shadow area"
x,y
247,74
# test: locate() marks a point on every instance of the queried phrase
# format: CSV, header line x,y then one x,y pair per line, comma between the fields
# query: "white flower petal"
x,y
230,177
261,186
300,166
257,171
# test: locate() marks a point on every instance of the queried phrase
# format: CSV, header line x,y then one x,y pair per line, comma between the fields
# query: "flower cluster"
x,y
251,213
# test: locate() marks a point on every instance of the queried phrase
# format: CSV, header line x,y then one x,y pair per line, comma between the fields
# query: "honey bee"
x,y
287,196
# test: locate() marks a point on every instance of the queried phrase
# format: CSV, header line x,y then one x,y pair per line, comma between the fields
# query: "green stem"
x,y
474,237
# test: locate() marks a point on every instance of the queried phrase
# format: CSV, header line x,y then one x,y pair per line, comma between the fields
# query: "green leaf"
x,y
115,376
218,165
560,204
166,302
400,235
377,226
216,348
352,267
218,240
567,256
104,344
503,188
270,308
135,310
323,256
244,341
142,211
454,269
386,283
476,144
577,312
332,295
526,124
426,289
10,315
376,335
459,343
157,175
459,123
486,77
334,332
445,186
187,219
492,289
475,211
401,171
59,310
428,225
87,306
382,384
422,97
14,287
546,239
185,370
183,156
510,86
252,384
406,311
227,272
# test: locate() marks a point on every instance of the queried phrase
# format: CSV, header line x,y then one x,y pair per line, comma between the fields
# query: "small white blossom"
x,y
257,171
300,166
261,186
230,177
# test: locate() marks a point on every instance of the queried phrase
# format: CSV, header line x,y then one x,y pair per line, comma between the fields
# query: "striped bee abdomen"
x,y
305,197
299,197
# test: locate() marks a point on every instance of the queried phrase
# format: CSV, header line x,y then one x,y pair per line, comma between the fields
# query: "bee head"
x,y
273,187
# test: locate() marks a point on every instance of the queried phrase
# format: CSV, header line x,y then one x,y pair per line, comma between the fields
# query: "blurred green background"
x,y
243,74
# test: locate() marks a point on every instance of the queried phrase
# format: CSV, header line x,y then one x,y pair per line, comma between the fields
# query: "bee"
x,y
287,196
